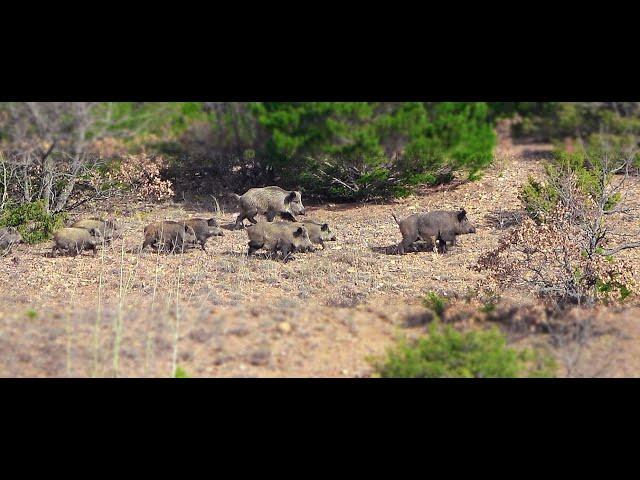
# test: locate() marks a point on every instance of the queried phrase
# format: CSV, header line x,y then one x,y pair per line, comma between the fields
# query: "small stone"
x,y
351,270
239,331
260,357
200,335
284,327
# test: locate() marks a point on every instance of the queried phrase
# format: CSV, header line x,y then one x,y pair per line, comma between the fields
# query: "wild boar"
x,y
108,228
203,229
319,232
284,237
169,236
9,236
72,241
268,201
424,226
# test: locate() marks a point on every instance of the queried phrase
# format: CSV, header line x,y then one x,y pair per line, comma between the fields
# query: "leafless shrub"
x,y
142,174
553,260
503,219
569,257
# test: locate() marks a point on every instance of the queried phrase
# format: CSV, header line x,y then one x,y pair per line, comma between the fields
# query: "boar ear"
x,y
299,232
461,214
290,197
325,227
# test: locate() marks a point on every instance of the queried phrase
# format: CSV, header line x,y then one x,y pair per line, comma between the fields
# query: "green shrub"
x,y
587,168
435,303
180,373
448,353
32,221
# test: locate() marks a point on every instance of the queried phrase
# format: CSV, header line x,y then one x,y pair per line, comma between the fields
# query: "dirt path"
x,y
219,313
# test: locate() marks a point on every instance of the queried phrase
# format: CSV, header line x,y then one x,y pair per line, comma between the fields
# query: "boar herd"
x,y
436,228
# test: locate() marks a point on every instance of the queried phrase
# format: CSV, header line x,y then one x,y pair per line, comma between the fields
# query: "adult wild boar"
x,y
445,224
282,236
108,228
72,241
268,201
319,232
169,236
203,229
9,236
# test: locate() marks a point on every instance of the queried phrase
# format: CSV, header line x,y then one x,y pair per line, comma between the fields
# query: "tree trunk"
x,y
61,202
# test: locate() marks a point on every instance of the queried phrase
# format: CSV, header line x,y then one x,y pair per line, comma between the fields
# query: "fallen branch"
x,y
622,247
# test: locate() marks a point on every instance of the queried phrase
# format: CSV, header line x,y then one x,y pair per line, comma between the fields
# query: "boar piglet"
x,y
108,228
319,232
169,236
284,237
72,241
203,229
268,201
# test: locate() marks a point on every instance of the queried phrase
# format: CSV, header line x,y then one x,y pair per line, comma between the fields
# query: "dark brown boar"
x,y
169,236
284,237
425,226
203,229
72,241
269,201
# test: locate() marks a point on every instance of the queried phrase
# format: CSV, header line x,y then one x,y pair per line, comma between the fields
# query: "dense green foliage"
x,y
364,150
448,353
32,221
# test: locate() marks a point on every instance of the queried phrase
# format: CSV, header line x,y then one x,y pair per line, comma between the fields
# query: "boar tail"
x,y
395,218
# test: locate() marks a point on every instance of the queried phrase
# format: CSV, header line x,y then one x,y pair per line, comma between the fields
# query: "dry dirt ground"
x,y
221,314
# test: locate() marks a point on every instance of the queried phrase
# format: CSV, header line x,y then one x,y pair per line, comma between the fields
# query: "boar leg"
x,y
147,241
449,238
286,253
288,216
253,246
270,215
239,219
405,243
